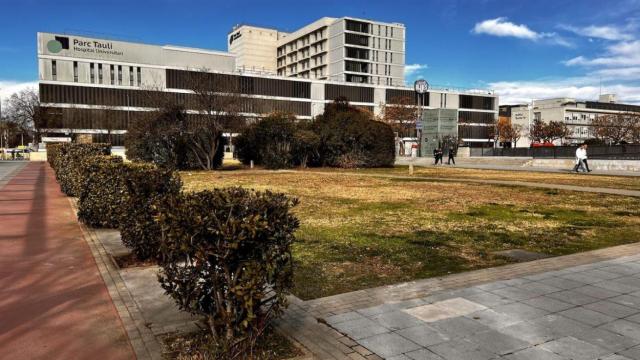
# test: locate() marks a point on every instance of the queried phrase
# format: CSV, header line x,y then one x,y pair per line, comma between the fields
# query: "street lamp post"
x,y
421,87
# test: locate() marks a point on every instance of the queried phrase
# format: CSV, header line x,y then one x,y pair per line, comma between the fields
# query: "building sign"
x,y
234,37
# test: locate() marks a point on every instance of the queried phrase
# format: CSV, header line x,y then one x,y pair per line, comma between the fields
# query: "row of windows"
x,y
474,132
355,39
472,117
612,106
302,41
70,118
96,73
394,96
352,93
357,26
476,102
180,79
63,94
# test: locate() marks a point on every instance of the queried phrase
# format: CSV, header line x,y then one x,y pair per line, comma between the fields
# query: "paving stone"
x,y
534,353
560,326
459,306
534,334
348,316
612,309
492,286
424,335
461,349
580,277
616,286
615,357
488,299
539,288
561,283
431,313
458,327
396,320
520,311
360,328
407,304
493,319
498,342
515,293
572,297
627,269
538,277
600,274
623,327
423,354
587,316
387,345
376,310
549,304
607,339
399,357
516,281
627,300
575,349
633,353
596,292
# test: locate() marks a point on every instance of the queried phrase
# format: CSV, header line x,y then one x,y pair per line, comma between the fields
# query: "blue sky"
x,y
522,49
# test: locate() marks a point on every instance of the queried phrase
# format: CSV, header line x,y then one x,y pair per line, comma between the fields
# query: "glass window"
x,y
130,75
119,74
113,75
100,73
139,76
92,72
75,71
54,70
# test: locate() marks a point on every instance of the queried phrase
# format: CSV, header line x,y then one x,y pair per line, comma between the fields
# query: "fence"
x,y
615,152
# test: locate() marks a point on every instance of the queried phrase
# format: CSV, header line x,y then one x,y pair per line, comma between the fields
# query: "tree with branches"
x,y
23,111
401,114
615,128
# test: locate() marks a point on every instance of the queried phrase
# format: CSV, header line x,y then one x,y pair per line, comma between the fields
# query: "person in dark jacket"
x,y
452,155
437,155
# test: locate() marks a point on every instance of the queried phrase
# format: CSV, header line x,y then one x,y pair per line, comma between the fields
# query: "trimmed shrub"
x,y
349,137
227,257
67,163
145,187
100,202
269,142
56,154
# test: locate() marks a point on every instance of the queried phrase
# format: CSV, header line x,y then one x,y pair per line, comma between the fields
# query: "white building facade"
x,y
101,86
337,49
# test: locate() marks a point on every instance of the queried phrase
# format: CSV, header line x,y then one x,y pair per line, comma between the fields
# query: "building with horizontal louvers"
x,y
100,87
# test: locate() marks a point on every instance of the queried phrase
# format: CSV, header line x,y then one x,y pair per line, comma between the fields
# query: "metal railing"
x,y
615,152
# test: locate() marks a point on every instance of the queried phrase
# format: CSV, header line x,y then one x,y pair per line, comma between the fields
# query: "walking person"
x,y
585,164
452,155
437,154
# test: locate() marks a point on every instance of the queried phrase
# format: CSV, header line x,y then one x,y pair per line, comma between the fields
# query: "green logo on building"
x,y
54,46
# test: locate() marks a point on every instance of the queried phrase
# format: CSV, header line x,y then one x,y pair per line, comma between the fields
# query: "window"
x,y
355,39
130,75
119,74
391,57
391,32
92,72
113,75
357,53
357,26
100,73
54,70
139,76
75,71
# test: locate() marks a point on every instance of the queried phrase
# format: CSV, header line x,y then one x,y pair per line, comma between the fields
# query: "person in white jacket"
x,y
581,159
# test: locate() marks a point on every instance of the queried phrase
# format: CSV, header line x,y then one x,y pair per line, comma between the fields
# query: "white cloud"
x,y
8,87
414,69
607,32
503,28
620,54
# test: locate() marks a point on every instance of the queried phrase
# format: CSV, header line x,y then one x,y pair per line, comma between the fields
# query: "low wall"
x,y
594,164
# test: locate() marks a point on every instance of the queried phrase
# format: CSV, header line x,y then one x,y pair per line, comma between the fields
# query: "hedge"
x,y
227,257
145,187
100,202
66,160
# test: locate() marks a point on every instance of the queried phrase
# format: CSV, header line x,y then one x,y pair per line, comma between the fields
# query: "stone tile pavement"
x,y
589,311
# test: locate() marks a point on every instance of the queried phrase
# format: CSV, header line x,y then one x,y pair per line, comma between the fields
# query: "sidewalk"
x,y
53,301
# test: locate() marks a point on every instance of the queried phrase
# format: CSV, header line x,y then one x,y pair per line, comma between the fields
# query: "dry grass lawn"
x,y
360,232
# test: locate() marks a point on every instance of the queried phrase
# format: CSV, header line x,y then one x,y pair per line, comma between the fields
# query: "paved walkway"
x,y
584,312
53,301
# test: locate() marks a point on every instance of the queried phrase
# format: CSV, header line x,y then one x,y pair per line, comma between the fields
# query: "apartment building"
x,y
337,49
577,114
99,87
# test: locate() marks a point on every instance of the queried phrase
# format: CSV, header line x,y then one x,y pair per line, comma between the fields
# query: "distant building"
x,y
577,114
337,49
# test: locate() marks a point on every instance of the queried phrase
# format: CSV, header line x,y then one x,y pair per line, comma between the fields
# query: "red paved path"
x,y
53,302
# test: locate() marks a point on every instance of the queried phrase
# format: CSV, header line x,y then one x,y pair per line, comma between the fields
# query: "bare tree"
x,y
516,133
217,102
23,109
557,130
615,128
401,114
